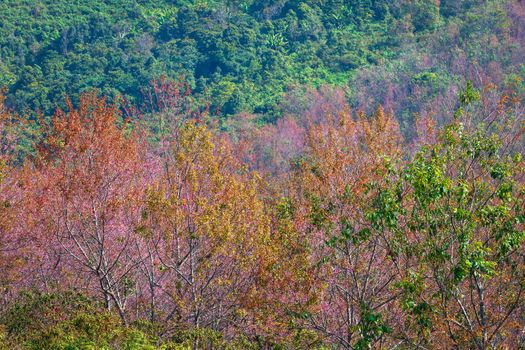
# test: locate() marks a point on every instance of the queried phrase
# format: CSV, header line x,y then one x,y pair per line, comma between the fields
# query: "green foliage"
x,y
68,321
462,227
34,312
245,54
371,328
91,331
416,308
208,339
469,95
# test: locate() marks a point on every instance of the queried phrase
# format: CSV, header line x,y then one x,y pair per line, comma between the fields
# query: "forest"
x,y
285,174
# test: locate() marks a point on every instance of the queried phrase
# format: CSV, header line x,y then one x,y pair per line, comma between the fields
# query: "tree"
x,y
208,228
455,218
332,199
88,198
10,242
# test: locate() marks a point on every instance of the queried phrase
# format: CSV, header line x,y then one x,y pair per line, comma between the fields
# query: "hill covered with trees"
x,y
245,55
317,174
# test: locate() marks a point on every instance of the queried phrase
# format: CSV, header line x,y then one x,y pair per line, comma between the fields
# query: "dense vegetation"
x,y
244,55
349,236
233,199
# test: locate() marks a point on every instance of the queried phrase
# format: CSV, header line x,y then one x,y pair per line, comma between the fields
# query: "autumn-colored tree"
x,y
209,231
273,148
86,193
9,199
270,149
331,198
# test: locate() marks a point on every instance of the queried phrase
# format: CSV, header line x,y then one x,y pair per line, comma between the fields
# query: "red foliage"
x,y
86,191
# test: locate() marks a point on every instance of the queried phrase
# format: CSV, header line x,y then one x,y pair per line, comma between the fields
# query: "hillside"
x,y
262,175
244,55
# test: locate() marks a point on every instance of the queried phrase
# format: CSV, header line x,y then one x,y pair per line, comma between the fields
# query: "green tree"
x,y
456,213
